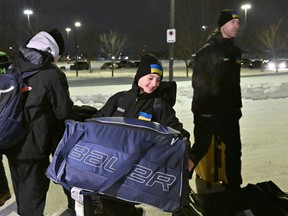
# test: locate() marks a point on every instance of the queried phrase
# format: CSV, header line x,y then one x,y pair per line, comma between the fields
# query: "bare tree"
x,y
272,40
197,21
111,44
89,46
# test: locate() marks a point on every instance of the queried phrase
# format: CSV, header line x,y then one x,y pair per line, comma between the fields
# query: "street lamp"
x,y
76,25
171,45
28,12
68,38
204,27
245,7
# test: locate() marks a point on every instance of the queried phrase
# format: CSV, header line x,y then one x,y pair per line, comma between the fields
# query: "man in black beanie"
x,y
47,104
217,102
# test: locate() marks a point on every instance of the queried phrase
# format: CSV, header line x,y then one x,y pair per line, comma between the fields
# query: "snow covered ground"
x,y
264,127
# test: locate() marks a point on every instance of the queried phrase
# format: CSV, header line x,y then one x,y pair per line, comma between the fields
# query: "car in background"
x,y
256,64
107,65
80,65
277,64
245,63
121,64
126,64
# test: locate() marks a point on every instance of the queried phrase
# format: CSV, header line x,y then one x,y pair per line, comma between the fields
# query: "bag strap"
x,y
126,165
62,154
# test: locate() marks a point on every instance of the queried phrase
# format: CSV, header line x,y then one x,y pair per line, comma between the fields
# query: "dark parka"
x,y
216,77
47,104
130,103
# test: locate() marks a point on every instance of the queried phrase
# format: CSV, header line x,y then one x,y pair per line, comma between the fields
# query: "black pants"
x,y
227,127
3,179
30,185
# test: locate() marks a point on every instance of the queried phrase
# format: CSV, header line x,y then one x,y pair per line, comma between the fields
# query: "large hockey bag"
x,y
133,160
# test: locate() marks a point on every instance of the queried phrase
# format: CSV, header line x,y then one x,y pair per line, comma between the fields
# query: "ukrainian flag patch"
x,y
158,69
235,15
144,116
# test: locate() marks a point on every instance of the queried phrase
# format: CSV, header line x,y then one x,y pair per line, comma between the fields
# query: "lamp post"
x,y
245,7
28,12
68,38
171,45
77,24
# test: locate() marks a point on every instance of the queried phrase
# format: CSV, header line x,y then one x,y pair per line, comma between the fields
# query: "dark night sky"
x,y
145,19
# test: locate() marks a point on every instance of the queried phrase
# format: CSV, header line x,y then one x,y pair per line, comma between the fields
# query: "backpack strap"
x,y
167,92
157,107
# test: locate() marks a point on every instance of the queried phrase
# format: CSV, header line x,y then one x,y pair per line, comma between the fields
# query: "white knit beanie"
x,y
45,42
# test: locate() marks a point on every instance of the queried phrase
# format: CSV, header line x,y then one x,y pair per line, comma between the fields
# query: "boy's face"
x,y
149,83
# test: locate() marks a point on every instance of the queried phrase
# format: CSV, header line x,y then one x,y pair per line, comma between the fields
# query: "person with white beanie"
x,y
47,104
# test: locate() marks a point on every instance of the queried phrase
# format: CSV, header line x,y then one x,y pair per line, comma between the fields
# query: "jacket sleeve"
x,y
109,107
60,96
205,80
168,117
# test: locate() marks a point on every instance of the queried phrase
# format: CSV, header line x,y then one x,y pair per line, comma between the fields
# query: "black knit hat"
x,y
148,64
59,40
226,15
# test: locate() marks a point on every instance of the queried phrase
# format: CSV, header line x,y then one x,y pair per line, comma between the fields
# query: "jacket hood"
x,y
31,59
45,42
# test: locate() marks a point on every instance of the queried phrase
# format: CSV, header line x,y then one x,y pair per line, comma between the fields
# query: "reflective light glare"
x,y
272,65
28,12
282,65
246,6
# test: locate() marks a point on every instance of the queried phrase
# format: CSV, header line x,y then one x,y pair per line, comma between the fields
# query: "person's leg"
x,y
70,201
30,185
203,131
4,189
229,132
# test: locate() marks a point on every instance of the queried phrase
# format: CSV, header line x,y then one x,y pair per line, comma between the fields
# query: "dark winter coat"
x,y
130,103
47,104
216,77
